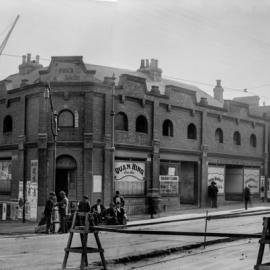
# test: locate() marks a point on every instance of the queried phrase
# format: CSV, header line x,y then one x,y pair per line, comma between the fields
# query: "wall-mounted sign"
x,y
97,183
216,174
169,184
129,170
252,178
129,177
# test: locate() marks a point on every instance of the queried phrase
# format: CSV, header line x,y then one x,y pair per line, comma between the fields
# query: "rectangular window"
x,y
129,177
5,177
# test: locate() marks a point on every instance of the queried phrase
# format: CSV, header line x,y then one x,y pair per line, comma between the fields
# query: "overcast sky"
x,y
195,41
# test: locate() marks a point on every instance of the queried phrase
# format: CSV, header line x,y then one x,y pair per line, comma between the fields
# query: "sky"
x,y
195,41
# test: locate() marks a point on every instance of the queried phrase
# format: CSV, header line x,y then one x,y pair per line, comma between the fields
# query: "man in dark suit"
x,y
111,215
98,211
120,214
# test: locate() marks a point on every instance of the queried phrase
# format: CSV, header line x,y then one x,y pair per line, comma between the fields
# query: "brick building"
x,y
169,138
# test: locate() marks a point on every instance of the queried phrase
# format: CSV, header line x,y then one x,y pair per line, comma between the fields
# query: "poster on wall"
x,y
129,177
31,197
97,183
252,178
216,174
169,185
34,171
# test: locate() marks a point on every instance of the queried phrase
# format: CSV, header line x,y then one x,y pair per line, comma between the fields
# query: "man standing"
x,y
212,194
246,196
63,211
48,211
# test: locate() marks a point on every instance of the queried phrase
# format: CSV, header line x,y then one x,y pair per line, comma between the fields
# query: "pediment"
x,y
67,69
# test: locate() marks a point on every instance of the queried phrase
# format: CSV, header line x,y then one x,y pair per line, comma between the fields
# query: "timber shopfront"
x,y
231,180
130,181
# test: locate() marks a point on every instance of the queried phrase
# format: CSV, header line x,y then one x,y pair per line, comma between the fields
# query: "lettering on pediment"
x,y
67,69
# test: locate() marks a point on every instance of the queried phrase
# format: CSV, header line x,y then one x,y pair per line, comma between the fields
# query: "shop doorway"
x,y
189,182
65,176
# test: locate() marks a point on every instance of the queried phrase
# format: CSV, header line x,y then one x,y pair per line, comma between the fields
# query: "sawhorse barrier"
x,y
82,224
89,228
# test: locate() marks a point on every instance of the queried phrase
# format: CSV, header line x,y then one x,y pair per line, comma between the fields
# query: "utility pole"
x,y
54,130
112,129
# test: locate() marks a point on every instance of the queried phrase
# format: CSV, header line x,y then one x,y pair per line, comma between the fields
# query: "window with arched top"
x,y
141,124
121,121
219,135
253,140
167,129
66,119
237,138
192,132
8,124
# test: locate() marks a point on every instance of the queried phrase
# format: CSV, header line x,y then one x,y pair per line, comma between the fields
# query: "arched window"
x,y
167,129
237,138
141,124
253,140
121,121
66,119
192,132
7,125
219,135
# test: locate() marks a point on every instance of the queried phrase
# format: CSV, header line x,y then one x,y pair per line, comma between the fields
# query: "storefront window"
x,y
168,179
129,178
5,177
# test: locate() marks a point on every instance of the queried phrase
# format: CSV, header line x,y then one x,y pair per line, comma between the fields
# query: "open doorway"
x,y
65,176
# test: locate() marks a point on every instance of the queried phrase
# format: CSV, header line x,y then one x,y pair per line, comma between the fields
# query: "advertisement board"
x,y
252,178
216,174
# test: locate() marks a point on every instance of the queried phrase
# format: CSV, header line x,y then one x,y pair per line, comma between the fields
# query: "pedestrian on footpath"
x,y
212,194
48,211
85,207
247,196
63,212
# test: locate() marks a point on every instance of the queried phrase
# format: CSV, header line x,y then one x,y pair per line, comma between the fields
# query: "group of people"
x,y
50,213
114,215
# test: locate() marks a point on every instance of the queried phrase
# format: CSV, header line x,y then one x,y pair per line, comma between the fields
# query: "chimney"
x,y
218,92
204,101
37,59
28,57
24,59
142,64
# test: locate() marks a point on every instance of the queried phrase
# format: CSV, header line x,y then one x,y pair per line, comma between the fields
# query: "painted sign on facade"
x,y
216,174
129,177
252,178
5,176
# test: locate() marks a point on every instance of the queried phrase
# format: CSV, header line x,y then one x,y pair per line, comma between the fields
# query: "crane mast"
x,y
4,43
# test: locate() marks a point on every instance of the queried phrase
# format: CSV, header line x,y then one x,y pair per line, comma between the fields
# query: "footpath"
x,y
22,249
12,227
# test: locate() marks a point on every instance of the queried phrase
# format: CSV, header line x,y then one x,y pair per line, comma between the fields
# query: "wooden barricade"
x,y
84,220
265,239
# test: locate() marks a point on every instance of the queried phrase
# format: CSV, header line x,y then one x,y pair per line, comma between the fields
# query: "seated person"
x,y
121,215
111,215
98,212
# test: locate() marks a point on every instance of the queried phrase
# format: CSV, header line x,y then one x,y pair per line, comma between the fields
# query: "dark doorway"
x,y
61,181
189,182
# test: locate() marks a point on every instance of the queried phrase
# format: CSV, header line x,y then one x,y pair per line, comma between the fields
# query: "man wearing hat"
x,y
63,211
212,194
49,210
98,211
